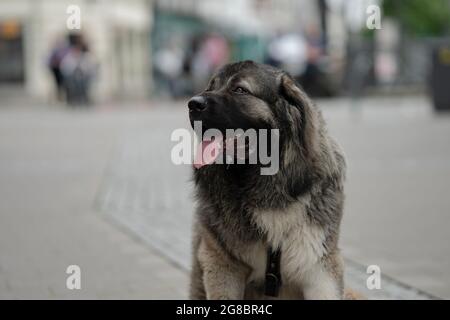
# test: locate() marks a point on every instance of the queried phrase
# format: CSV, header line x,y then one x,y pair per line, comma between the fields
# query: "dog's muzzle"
x,y
197,104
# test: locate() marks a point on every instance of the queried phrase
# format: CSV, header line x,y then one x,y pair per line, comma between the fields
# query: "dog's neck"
x,y
245,186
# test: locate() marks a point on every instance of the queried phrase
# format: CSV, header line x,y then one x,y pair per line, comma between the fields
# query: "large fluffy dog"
x,y
251,229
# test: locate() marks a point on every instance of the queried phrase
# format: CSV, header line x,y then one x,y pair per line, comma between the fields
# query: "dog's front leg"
x,y
325,281
223,277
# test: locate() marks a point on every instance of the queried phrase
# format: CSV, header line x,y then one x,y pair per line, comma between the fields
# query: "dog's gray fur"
x,y
240,212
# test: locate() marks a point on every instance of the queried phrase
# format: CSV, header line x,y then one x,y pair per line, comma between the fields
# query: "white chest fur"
x,y
301,243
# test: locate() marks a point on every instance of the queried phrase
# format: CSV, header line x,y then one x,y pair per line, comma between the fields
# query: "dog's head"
x,y
239,95
247,95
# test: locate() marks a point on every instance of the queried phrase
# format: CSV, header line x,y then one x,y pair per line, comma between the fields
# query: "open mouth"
x,y
234,147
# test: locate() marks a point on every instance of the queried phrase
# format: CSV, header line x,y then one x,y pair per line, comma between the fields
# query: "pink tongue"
x,y
207,153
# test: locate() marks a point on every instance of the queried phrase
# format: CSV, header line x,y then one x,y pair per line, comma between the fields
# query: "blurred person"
x,y
58,52
213,53
303,57
78,68
313,78
289,52
192,50
169,65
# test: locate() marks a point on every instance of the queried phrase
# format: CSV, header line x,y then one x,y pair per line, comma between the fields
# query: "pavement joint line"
x,y
392,280
121,227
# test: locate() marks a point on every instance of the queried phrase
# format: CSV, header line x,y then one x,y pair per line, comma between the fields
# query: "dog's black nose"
x,y
197,103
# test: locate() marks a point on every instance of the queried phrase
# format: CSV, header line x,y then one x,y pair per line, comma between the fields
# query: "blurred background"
x,y
86,116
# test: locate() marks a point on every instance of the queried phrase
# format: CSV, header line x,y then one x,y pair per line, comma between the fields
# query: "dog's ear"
x,y
304,114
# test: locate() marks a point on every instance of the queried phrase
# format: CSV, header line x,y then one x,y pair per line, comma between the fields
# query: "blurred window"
x,y
11,52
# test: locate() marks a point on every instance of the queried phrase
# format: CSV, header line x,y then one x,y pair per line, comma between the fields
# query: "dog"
x,y
261,236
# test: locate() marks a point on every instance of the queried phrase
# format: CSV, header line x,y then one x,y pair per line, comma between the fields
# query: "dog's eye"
x,y
240,90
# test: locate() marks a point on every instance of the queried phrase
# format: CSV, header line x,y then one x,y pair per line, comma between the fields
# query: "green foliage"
x,y
420,17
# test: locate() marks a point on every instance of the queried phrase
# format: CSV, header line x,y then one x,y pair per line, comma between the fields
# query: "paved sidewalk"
x,y
151,197
51,165
96,188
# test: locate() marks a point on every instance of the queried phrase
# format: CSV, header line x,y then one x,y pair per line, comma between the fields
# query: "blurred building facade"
x,y
251,25
261,16
117,31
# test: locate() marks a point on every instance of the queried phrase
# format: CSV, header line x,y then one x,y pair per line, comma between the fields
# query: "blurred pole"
x,y
355,62
322,4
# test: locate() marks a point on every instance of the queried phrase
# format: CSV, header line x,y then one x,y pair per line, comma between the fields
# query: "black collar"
x,y
273,274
